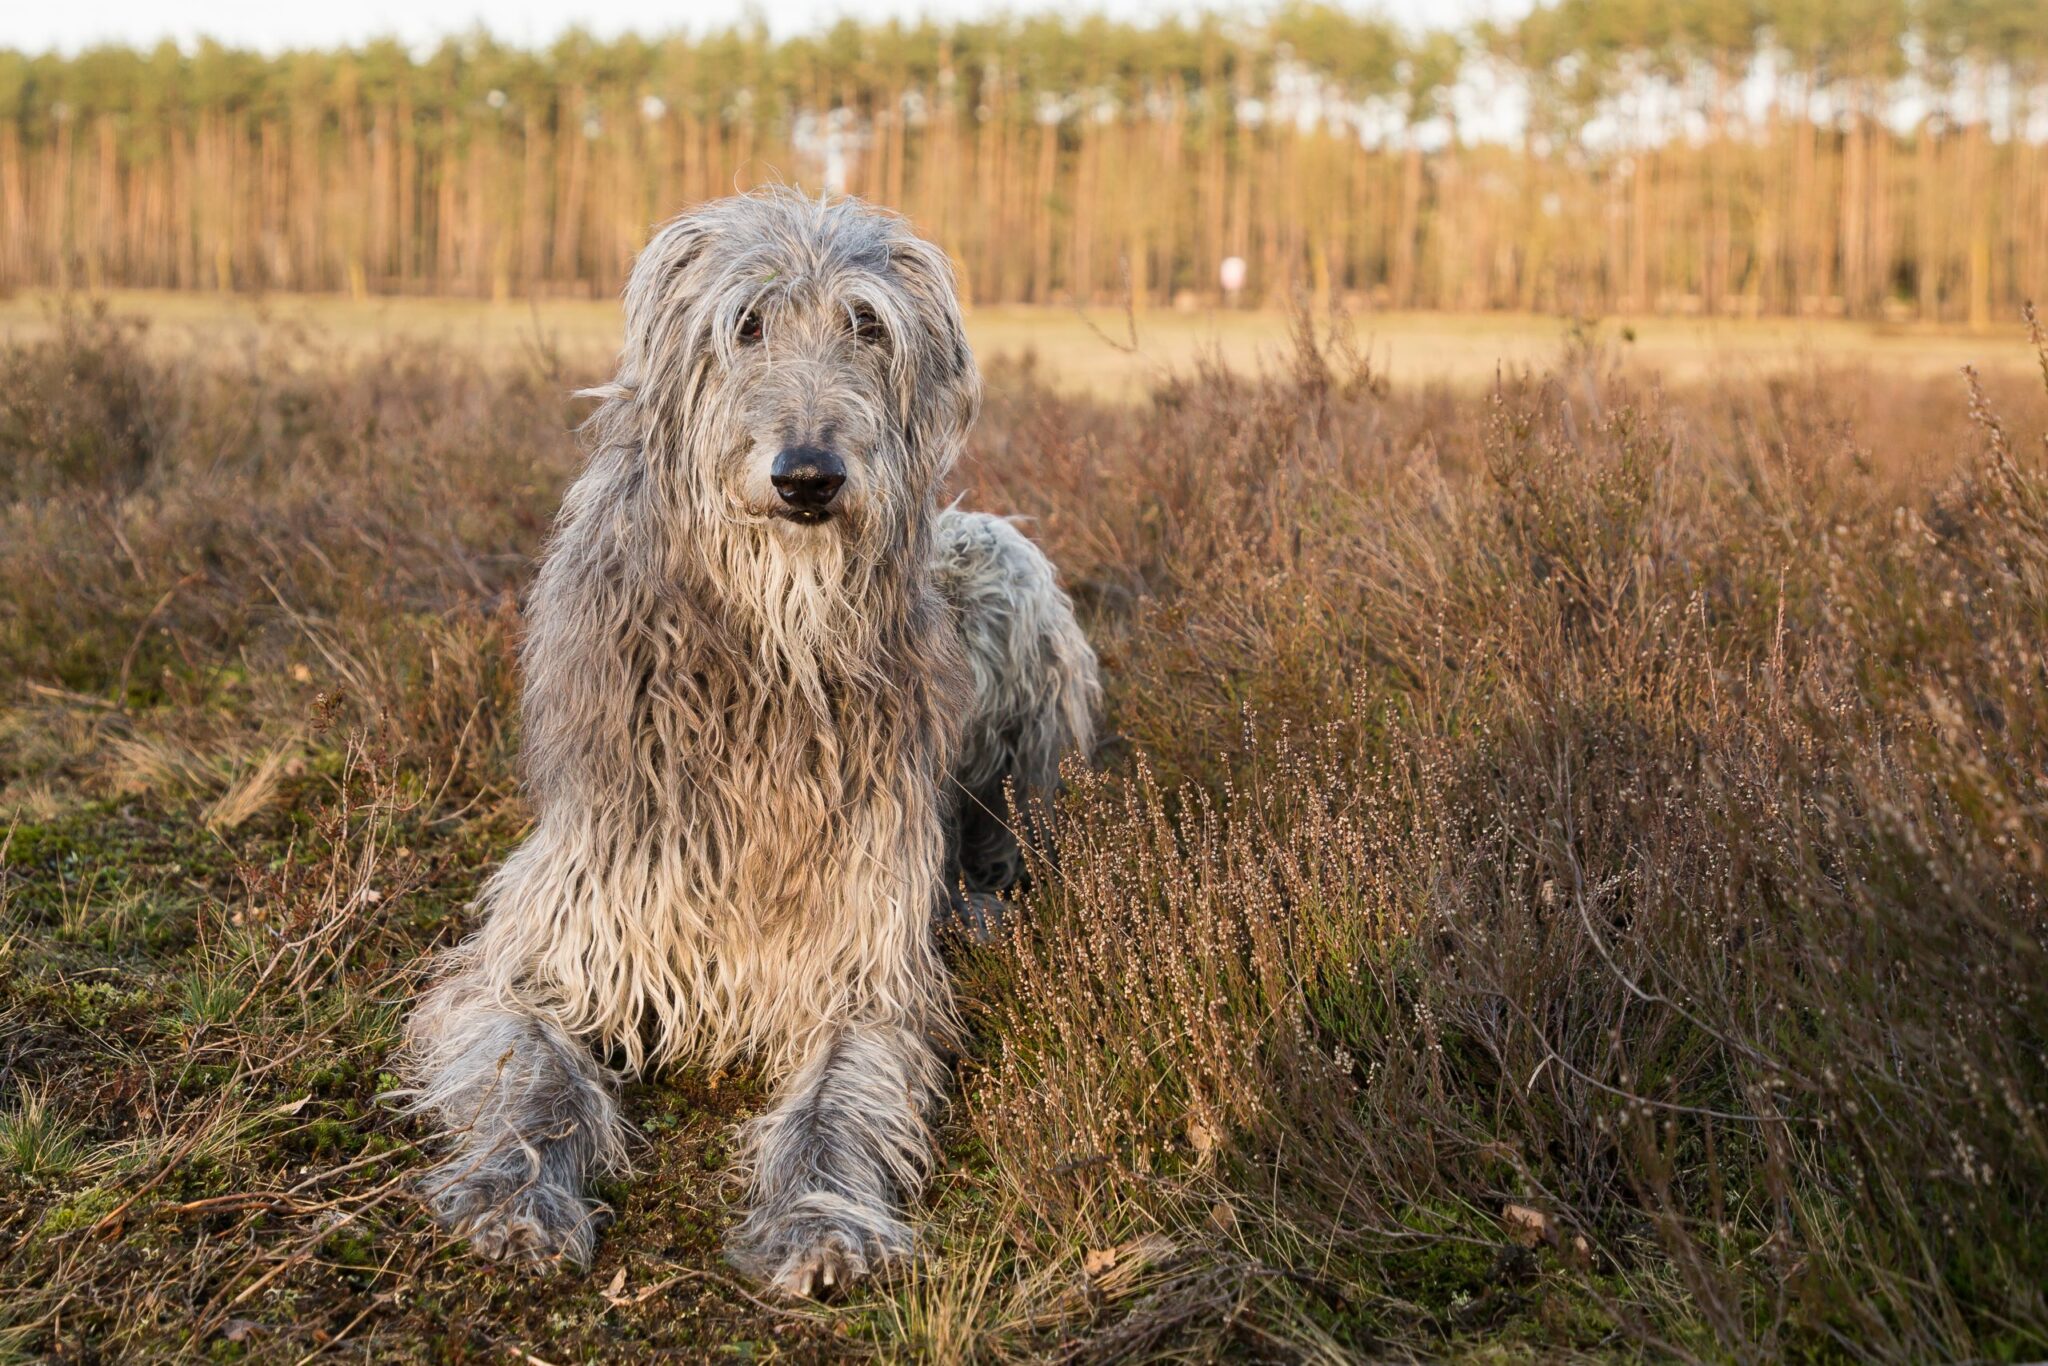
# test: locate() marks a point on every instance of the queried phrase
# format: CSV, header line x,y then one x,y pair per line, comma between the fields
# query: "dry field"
x,y
1564,877
1097,352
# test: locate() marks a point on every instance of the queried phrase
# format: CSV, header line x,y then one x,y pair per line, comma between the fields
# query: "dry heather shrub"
x,y
1154,1011
1641,830
88,412
296,523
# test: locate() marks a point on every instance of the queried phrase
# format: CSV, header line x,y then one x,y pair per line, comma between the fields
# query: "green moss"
x,y
80,1211
330,1074
351,1245
97,1004
200,1079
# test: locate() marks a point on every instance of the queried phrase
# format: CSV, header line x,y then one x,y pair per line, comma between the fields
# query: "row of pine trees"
x,y
1867,157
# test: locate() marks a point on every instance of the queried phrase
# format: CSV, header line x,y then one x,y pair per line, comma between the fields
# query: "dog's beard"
x,y
806,589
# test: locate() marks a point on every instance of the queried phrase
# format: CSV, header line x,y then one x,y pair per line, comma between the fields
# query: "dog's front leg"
x,y
529,1115
833,1162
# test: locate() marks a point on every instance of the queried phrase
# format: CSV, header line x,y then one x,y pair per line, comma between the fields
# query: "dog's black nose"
x,y
807,477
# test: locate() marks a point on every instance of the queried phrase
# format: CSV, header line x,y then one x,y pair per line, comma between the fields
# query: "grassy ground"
x,y
1564,876
1101,353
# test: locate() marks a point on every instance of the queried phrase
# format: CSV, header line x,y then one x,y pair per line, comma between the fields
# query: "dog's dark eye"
x,y
867,326
750,327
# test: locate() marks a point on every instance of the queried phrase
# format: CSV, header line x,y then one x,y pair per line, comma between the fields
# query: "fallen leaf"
x,y
617,1287
294,1107
301,674
1115,1269
239,1329
1222,1217
1526,1226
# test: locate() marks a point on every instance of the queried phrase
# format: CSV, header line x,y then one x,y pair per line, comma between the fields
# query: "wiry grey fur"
x,y
759,752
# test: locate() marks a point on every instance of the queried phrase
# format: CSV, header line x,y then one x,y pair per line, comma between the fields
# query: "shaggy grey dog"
x,y
774,701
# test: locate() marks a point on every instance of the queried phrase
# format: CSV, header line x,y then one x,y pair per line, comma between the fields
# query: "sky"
x,y
273,25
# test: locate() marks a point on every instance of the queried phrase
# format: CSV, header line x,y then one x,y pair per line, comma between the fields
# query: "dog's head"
x,y
799,368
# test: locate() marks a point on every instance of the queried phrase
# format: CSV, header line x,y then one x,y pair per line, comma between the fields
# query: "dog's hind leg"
x,y
1036,692
834,1161
529,1115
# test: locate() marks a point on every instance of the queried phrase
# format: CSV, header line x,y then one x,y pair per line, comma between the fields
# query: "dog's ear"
x,y
659,295
943,392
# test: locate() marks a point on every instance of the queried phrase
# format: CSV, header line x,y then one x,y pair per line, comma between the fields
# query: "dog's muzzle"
x,y
808,478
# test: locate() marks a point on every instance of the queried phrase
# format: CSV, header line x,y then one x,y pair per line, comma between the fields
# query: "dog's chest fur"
x,y
739,828
777,778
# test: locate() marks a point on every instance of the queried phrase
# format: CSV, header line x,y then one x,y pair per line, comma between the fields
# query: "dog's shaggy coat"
x,y
764,747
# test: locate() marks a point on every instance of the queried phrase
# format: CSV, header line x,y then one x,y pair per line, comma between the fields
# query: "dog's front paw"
x,y
816,1245
517,1220
831,1265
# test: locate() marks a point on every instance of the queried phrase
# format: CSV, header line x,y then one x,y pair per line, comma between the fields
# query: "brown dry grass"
x,y
1565,876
